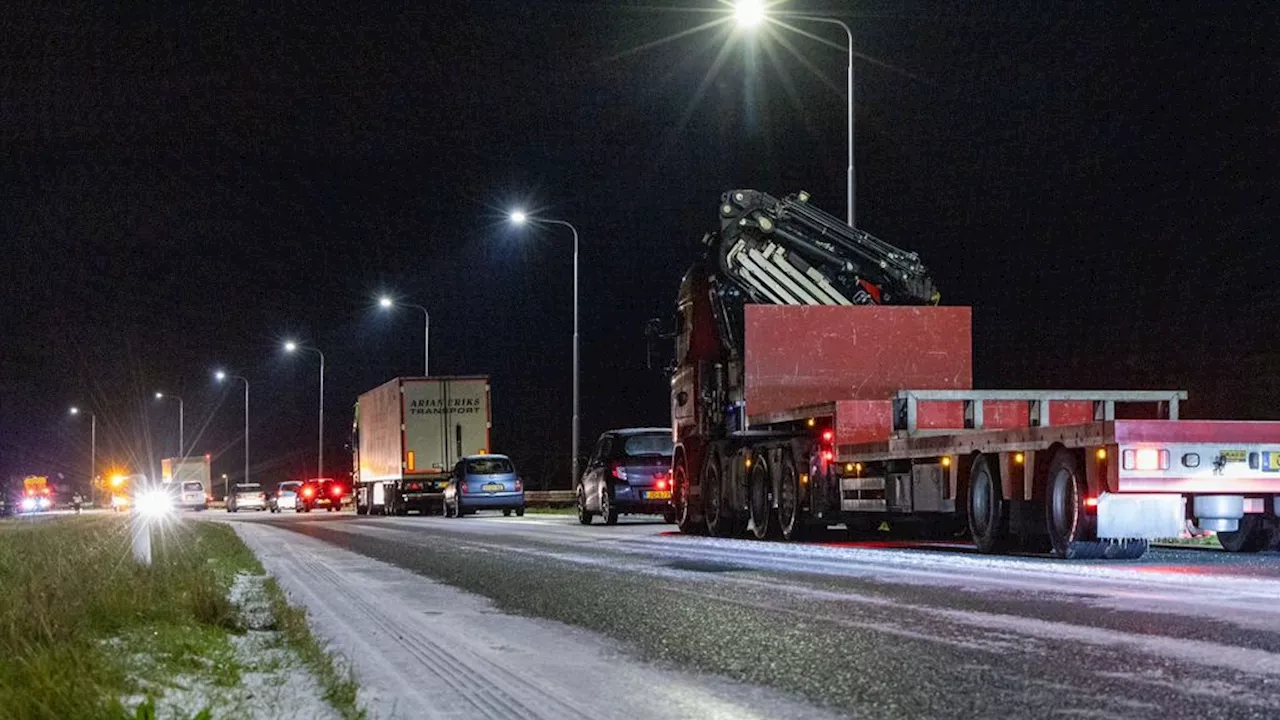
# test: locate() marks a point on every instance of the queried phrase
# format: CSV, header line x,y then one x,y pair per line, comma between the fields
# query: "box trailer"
x,y
183,474
407,435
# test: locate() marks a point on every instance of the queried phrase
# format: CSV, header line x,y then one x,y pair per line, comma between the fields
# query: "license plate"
x,y
1271,462
494,487
657,495
1234,456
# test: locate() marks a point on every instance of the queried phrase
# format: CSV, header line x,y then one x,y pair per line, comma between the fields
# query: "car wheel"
x,y
506,512
520,512
584,515
607,510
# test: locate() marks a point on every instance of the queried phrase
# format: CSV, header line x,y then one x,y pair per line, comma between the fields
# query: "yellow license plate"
x,y
1235,455
494,487
657,495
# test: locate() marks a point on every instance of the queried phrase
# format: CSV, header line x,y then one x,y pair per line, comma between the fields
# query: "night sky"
x,y
183,189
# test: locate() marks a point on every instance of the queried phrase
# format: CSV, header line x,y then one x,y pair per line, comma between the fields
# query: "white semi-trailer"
x,y
408,434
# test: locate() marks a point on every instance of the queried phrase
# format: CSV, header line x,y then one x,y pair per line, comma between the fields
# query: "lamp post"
x,y
520,218
387,303
294,347
750,14
182,447
221,377
93,449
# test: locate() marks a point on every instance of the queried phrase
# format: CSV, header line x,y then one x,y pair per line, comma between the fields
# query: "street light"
x,y
751,13
291,346
222,376
518,217
182,447
386,303
93,447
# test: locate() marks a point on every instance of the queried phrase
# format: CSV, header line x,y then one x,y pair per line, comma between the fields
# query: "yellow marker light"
x,y
811,422
117,480
747,462
858,467
946,462
1019,457
804,478
848,467
1102,453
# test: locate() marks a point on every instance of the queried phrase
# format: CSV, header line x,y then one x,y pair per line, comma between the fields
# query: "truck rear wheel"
x,y
988,510
760,499
1252,536
1072,529
719,524
790,524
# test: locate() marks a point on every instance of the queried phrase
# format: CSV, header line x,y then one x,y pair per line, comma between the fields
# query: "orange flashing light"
x,y
1102,453
1091,502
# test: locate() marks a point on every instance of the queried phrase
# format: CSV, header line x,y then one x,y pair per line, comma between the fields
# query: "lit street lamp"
x,y
387,303
294,347
518,217
222,377
93,448
182,447
752,13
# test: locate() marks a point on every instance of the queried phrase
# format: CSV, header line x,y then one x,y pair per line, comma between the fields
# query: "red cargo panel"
x,y
863,421
1003,415
1068,412
809,355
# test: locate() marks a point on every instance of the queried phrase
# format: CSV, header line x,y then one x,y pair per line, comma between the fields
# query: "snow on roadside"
x,y
274,682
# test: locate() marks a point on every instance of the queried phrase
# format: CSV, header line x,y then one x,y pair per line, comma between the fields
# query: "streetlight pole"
x,y
520,218
387,303
224,376
182,447
750,14
292,347
93,448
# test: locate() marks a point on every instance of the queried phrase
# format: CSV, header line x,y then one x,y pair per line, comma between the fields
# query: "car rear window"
x,y
192,486
249,488
489,466
649,445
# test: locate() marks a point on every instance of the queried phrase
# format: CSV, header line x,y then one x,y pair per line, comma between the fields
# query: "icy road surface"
x,y
746,629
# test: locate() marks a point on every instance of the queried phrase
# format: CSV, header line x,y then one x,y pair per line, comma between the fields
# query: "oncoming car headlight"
x,y
28,504
154,503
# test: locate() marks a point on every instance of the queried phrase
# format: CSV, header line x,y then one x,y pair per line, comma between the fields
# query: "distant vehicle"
x,y
629,473
324,493
286,496
246,496
484,482
408,435
36,494
122,488
181,473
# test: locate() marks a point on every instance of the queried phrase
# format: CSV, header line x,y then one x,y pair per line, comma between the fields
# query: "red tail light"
x,y
828,436
661,484
519,485
828,456
1091,502
308,492
336,491
462,487
618,470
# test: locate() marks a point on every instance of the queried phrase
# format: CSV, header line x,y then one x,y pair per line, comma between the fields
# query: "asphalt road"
x,y
871,630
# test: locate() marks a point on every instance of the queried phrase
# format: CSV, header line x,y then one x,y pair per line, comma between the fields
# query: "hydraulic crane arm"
x,y
788,252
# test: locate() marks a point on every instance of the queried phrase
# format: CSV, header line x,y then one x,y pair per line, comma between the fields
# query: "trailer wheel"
x,y
789,521
680,499
1252,536
988,510
719,524
1072,529
760,498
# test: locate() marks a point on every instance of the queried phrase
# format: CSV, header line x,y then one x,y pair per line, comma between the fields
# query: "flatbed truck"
x,y
802,397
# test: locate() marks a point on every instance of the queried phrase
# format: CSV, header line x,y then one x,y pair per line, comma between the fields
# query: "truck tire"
x,y
988,510
684,516
607,510
506,512
760,499
584,515
719,524
1072,529
1252,536
790,522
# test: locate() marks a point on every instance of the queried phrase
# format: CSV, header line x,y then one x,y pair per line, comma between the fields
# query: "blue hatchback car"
x,y
484,482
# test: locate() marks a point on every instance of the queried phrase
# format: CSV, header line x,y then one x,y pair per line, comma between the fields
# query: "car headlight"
x,y
28,503
154,503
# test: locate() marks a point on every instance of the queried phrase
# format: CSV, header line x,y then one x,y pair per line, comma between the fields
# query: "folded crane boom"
x,y
788,252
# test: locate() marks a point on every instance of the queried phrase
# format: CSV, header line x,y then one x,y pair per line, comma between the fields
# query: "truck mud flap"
x,y
1132,516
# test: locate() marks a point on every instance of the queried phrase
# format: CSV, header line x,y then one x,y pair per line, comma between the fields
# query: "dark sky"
x,y
183,189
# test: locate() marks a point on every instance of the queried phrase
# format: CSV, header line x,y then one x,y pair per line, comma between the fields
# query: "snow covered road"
x,y
867,630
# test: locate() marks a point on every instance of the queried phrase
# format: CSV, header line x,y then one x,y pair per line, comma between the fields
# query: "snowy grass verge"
x,y
87,633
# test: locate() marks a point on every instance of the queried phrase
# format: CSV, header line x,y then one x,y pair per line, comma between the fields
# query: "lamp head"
x,y
290,346
518,217
220,376
749,13
386,302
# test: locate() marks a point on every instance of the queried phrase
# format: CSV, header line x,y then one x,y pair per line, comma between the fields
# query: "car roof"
x,y
487,457
638,431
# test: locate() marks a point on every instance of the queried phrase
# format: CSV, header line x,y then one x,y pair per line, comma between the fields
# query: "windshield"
x,y
290,486
253,487
192,486
649,444
489,466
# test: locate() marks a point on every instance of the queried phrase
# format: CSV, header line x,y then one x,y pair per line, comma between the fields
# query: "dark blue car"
x,y
484,482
